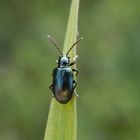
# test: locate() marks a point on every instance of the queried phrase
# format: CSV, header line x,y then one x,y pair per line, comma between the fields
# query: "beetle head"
x,y
63,61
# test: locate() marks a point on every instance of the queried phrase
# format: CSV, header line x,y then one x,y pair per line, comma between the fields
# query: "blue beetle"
x,y
63,83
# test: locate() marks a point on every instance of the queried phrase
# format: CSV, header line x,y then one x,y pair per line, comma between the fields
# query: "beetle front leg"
x,y
57,61
72,63
74,60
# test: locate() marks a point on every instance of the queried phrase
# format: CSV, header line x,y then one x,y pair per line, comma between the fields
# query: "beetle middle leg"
x,y
50,87
75,70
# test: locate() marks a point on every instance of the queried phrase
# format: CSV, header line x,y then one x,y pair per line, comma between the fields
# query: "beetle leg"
x,y
75,70
50,87
72,63
75,84
56,61
74,60
76,94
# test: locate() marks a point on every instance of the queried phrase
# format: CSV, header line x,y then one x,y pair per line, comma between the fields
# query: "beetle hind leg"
x,y
75,84
76,94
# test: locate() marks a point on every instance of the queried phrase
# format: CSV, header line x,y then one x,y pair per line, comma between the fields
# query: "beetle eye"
x,y
64,63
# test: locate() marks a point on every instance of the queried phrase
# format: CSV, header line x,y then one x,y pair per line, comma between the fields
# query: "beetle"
x,y
63,83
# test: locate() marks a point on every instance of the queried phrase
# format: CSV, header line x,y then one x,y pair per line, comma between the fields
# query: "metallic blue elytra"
x,y
63,84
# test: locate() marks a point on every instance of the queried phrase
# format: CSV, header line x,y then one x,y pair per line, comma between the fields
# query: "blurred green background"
x,y
109,64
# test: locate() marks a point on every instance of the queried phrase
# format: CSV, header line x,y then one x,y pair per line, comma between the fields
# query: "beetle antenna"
x,y
54,43
74,45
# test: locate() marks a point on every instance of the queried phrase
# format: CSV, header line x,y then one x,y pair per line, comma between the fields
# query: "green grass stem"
x,y
62,119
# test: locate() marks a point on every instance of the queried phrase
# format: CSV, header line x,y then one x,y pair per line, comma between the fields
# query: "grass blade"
x,y
62,120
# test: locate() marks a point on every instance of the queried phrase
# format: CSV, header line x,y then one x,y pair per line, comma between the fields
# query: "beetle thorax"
x,y
64,61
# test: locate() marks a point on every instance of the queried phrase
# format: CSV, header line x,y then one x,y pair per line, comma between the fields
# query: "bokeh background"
x,y
109,64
